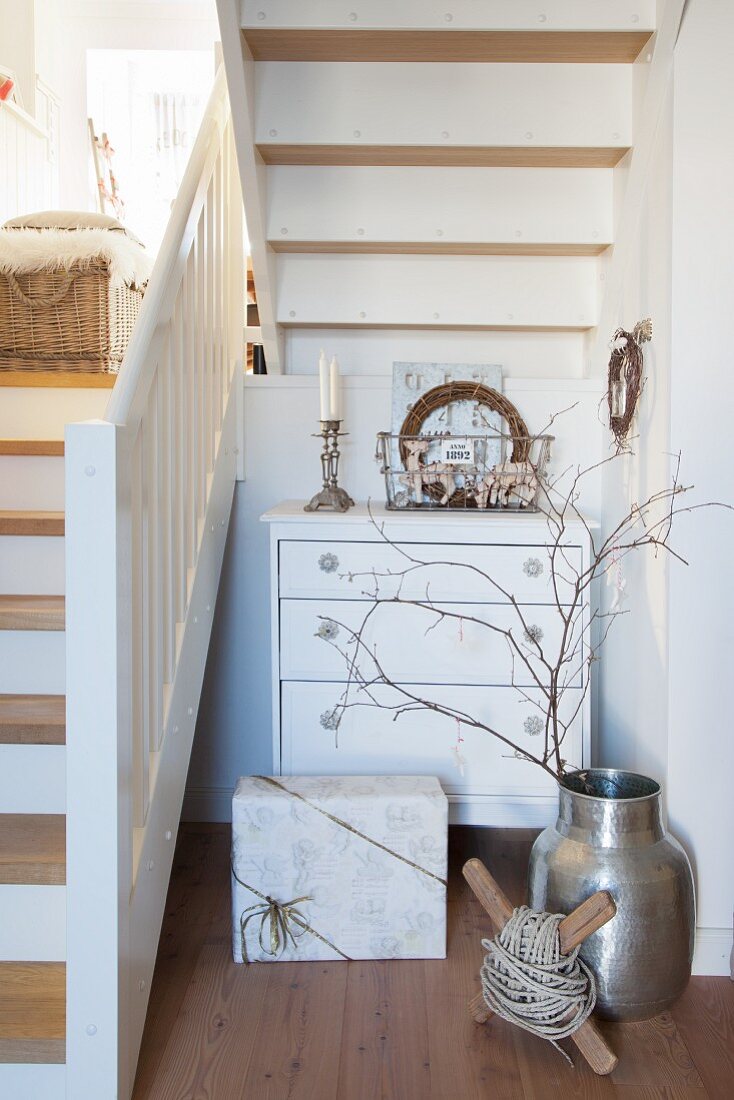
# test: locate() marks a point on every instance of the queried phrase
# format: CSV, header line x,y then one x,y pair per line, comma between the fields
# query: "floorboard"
x,y
388,1030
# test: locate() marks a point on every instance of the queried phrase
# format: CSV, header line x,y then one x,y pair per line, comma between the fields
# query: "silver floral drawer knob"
x,y
327,630
533,634
533,725
328,563
330,719
533,567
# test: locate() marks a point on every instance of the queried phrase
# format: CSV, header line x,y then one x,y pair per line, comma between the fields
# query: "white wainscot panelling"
x,y
468,14
32,566
482,291
516,206
373,351
31,482
33,923
293,401
33,779
369,741
375,103
26,174
415,644
32,662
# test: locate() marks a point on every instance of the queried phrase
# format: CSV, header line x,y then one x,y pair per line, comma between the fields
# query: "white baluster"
x,y
139,636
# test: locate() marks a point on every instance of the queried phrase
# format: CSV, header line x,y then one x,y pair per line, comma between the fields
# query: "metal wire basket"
x,y
483,473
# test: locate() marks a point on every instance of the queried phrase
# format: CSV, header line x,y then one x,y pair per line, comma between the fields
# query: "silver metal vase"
x,y
614,839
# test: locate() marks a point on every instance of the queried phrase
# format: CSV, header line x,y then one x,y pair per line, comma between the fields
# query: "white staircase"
x,y
110,552
33,736
415,167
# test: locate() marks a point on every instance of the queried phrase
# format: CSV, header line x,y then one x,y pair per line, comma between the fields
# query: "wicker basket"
x,y
66,320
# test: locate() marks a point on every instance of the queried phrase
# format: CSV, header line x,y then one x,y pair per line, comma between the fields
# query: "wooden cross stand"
x,y
573,930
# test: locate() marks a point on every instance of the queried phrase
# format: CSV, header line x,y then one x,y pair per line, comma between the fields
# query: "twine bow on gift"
x,y
282,915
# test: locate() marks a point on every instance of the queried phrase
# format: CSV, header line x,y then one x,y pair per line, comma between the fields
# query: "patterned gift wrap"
x,y
339,867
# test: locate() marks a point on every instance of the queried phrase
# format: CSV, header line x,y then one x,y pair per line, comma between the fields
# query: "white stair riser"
x,y
336,103
32,662
436,205
33,1082
32,565
373,352
437,290
32,482
32,779
505,15
39,412
33,923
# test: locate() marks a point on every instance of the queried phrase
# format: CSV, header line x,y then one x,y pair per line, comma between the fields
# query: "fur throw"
x,y
25,251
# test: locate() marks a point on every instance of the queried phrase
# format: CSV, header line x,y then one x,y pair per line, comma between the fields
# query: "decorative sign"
x,y
457,452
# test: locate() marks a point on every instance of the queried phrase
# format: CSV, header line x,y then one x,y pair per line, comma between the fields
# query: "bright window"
x,y
150,104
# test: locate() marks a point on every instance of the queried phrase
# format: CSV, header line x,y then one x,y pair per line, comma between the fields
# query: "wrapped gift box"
x,y
339,867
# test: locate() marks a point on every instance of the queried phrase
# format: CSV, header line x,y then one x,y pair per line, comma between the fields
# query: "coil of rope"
x,y
529,982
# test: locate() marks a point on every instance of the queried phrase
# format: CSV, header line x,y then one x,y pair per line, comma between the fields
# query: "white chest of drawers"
x,y
459,664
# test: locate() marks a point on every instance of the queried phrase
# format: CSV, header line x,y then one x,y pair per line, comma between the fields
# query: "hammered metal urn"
x,y
614,839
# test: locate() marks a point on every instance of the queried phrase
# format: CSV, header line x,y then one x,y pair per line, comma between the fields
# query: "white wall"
x,y
107,24
701,746
17,46
632,728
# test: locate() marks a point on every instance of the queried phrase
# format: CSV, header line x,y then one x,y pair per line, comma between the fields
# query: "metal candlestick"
x,y
331,496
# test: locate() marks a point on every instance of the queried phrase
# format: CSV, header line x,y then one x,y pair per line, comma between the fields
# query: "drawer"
x,y
413,644
369,742
312,570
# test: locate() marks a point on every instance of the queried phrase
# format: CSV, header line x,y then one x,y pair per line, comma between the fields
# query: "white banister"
x,y
149,491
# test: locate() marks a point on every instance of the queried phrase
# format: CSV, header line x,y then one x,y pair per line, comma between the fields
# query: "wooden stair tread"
x,y
32,612
33,849
14,522
430,248
32,1003
415,44
457,156
58,379
33,1051
45,447
32,719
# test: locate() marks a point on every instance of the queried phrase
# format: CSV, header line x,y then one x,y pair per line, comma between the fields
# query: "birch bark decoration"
x,y
625,378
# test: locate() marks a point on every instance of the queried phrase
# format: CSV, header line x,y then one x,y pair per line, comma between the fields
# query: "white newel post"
x,y
99,764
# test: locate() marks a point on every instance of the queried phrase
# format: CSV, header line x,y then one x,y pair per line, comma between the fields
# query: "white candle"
x,y
324,385
334,394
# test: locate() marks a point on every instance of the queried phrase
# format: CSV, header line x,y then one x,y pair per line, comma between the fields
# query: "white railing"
x,y
148,495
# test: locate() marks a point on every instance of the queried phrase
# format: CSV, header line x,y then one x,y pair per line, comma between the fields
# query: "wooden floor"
x,y
397,1030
